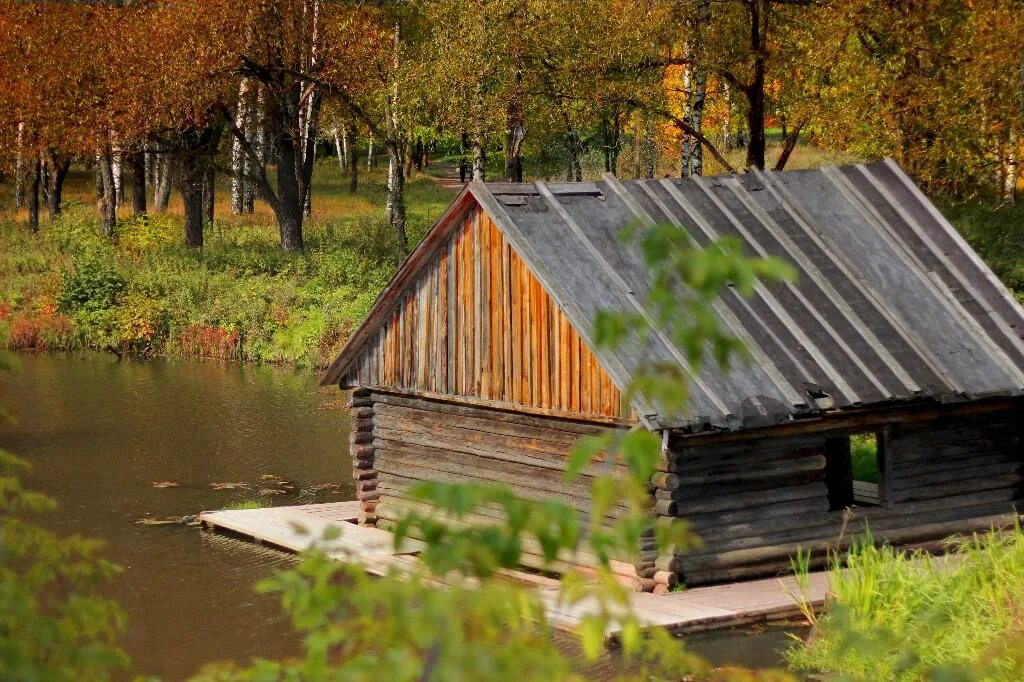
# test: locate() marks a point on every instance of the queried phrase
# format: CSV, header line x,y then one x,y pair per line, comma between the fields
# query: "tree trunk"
x,y
19,169
289,198
339,150
191,182
238,154
106,202
137,164
1012,168
162,190
33,197
696,96
369,154
789,141
309,136
55,179
573,150
514,140
209,188
396,198
353,167
419,154
649,149
727,141
754,90
117,169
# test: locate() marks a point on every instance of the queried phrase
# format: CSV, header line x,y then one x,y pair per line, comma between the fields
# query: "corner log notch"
x,y
364,473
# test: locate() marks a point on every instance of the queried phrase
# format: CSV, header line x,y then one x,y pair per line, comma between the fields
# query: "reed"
x,y
896,615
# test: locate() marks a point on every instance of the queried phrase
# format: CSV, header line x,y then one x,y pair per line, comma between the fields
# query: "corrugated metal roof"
x,y
890,303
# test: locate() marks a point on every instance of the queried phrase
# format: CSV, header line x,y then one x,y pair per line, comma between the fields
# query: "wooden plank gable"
x,y
476,323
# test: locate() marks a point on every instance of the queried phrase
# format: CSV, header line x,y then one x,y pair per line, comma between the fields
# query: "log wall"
x,y
754,503
406,439
477,323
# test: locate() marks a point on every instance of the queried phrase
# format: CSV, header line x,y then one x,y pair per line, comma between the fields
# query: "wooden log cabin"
x,y
476,363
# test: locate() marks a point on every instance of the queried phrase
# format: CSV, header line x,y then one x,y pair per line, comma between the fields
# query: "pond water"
x,y
100,433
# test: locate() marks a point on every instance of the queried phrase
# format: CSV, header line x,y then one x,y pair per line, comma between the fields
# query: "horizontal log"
x,y
665,481
394,509
852,421
775,512
769,470
776,559
363,452
666,507
362,424
361,437
582,504
959,487
742,455
970,471
699,501
364,474
725,551
581,426
449,443
392,462
362,412
541,437
669,578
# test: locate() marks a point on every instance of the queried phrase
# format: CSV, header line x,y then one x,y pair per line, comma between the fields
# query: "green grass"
x,y
864,457
240,298
245,504
900,616
996,233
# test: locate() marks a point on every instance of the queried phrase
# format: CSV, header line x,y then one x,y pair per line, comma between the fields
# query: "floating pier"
x,y
298,528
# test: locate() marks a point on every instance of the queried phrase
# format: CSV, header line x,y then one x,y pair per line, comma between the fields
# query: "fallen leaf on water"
x,y
162,521
164,484
272,491
228,486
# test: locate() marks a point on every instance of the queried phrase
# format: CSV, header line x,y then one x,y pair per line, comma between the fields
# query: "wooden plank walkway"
x,y
298,528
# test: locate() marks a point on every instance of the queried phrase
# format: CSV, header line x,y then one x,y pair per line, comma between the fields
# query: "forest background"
x,y
238,179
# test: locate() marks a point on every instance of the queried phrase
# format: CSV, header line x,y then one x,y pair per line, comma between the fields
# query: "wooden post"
x,y
364,474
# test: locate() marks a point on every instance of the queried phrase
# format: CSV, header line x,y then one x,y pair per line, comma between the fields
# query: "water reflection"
x,y
99,432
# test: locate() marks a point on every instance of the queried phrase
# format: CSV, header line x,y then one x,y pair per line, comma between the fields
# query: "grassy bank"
x,y
895,616
240,298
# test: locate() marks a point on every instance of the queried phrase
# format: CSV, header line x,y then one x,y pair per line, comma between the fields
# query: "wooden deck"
x,y
298,528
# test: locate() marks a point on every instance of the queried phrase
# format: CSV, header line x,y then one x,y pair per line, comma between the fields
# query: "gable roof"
x,y
890,303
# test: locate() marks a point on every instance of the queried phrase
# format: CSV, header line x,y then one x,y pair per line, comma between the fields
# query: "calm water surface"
x,y
99,433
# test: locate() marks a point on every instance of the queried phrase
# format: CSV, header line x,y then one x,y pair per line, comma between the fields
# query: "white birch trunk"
x,y
339,148
117,168
369,153
1011,166
238,153
19,169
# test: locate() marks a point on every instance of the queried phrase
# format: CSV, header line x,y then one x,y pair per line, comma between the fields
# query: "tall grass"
x,y
894,615
240,297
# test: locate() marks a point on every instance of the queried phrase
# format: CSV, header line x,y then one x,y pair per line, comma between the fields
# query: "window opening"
x,y
854,470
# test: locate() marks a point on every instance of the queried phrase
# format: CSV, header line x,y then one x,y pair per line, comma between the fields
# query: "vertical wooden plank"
x,y
506,320
535,341
585,372
574,373
517,327
452,318
477,255
544,350
525,352
495,300
469,326
564,363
